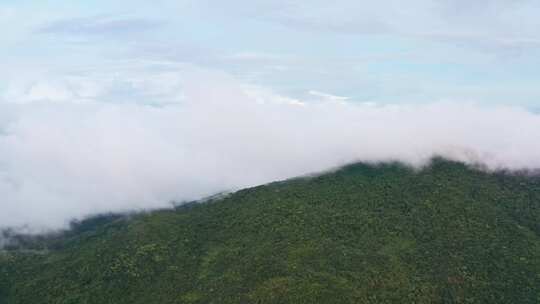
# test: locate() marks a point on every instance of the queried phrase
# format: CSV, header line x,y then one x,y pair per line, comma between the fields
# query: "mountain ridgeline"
x,y
381,233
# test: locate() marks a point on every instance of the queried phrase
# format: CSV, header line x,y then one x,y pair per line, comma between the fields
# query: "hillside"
x,y
363,234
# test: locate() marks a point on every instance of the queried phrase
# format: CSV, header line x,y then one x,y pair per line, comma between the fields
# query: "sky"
x,y
382,51
114,106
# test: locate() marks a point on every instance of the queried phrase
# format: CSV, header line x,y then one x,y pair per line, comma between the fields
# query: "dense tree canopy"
x,y
363,234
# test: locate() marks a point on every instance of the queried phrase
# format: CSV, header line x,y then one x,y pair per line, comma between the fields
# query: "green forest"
x,y
366,233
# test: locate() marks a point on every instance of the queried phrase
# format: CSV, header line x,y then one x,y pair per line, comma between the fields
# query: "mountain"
x,y
381,233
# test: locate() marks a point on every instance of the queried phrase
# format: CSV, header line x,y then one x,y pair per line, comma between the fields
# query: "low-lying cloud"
x,y
66,160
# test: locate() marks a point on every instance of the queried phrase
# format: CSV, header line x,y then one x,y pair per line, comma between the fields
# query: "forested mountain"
x,y
363,234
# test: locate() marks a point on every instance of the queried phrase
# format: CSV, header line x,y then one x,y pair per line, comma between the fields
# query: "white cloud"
x,y
328,97
60,161
49,92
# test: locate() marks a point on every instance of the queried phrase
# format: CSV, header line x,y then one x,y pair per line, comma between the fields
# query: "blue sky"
x,y
385,52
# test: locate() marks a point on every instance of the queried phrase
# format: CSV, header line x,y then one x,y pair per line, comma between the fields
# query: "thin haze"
x,y
115,107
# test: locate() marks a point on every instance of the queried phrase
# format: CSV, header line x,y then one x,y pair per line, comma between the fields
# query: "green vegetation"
x,y
363,234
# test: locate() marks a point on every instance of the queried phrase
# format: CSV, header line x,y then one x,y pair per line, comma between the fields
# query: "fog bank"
x,y
66,160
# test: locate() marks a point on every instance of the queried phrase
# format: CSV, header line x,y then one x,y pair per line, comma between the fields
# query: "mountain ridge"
x,y
365,233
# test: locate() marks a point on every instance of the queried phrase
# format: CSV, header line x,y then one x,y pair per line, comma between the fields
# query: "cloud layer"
x,y
69,155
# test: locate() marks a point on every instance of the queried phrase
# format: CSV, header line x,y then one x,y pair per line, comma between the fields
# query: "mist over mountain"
x,y
129,106
67,160
363,234
269,151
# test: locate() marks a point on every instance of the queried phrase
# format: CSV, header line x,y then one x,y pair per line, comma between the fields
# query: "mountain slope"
x,y
363,234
